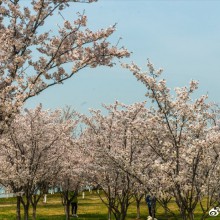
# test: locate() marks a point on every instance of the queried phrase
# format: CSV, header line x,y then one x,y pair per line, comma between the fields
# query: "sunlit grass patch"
x,y
90,208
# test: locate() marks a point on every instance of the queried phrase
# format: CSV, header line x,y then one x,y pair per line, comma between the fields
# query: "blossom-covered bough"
x,y
33,58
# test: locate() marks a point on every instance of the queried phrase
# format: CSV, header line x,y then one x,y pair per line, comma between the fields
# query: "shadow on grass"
x,y
81,217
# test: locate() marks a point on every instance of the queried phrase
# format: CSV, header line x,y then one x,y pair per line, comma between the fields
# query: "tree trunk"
x,y
34,201
124,211
67,211
191,215
165,210
109,213
18,211
153,210
34,212
123,216
138,209
204,216
26,211
183,215
117,216
120,214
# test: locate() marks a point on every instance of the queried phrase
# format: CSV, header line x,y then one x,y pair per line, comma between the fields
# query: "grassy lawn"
x,y
88,208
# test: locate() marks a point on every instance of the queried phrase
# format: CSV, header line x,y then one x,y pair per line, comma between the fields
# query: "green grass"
x,y
89,208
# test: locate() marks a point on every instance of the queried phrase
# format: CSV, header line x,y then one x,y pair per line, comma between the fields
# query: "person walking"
x,y
151,204
74,204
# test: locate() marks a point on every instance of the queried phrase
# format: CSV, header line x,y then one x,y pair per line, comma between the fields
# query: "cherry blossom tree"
x,y
105,138
31,155
33,59
183,142
73,172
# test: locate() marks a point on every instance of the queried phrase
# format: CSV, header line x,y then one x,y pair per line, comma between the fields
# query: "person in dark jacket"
x,y
74,204
151,204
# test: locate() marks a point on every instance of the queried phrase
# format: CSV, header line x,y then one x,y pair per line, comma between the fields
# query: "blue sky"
x,y
182,37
